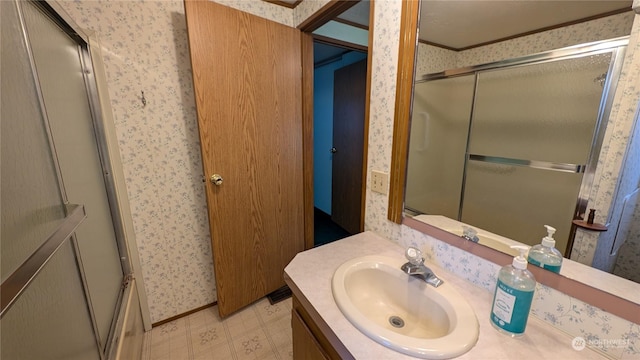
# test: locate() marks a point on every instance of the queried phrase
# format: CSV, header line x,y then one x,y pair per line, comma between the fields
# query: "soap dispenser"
x,y
513,296
545,255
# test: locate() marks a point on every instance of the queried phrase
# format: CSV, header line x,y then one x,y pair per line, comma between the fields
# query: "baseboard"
x,y
161,322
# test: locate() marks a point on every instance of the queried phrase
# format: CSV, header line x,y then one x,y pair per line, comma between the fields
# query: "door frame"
x,y
321,17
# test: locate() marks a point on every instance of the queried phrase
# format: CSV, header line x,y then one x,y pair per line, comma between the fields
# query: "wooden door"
x,y
247,79
349,102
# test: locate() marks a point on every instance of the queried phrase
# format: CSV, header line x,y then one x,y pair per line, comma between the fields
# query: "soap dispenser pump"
x,y
513,296
545,255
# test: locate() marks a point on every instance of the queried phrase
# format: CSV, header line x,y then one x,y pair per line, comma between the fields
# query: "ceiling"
x,y
463,24
323,53
460,24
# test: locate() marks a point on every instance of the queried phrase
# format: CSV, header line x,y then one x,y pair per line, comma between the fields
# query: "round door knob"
x,y
216,179
333,150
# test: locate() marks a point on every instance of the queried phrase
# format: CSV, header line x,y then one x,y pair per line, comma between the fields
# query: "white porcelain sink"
x,y
401,312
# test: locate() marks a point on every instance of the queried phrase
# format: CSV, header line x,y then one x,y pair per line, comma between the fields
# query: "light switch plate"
x,y
379,181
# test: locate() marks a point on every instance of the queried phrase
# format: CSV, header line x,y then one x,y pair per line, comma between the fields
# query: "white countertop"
x,y
312,270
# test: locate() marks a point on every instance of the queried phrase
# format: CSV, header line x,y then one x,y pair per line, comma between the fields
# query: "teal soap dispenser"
x,y
545,255
513,296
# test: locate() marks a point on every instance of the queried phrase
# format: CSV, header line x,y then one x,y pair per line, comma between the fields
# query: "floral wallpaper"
x,y
602,195
382,101
627,265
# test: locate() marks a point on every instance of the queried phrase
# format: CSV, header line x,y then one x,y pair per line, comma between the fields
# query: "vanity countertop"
x,y
311,272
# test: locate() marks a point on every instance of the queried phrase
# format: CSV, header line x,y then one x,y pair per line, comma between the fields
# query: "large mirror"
x,y
514,109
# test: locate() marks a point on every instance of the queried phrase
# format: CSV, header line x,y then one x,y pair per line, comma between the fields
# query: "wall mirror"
x,y
508,104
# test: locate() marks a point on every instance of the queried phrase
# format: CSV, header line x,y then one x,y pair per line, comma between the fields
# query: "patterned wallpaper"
x,y
145,49
592,247
627,264
628,261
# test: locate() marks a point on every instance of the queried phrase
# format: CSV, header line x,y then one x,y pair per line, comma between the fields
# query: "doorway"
x,y
337,160
339,105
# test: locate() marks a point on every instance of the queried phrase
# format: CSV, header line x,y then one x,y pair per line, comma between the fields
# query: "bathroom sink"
x,y
401,312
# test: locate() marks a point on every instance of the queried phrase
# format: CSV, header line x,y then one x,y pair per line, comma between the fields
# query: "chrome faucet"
x,y
470,234
416,268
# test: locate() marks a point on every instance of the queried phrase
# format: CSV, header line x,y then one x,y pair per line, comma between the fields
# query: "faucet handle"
x,y
469,231
414,256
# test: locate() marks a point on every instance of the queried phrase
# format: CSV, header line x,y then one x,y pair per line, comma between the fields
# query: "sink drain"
x,y
396,321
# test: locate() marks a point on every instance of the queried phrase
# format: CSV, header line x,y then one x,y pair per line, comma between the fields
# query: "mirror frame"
x,y
409,18
587,293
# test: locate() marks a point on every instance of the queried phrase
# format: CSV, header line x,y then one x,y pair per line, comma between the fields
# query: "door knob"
x,y
216,179
333,150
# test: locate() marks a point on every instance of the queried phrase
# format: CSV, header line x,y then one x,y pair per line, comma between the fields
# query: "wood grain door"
x,y
349,101
247,79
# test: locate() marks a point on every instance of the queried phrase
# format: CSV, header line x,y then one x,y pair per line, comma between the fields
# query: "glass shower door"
x,y
439,128
532,131
51,158
50,319
61,76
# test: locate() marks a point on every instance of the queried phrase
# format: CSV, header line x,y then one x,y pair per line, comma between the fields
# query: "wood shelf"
x,y
593,227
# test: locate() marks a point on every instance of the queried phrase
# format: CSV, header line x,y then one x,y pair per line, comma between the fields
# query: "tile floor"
x,y
260,331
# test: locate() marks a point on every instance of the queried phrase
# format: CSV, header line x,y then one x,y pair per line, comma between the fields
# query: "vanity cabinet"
x,y
305,344
310,342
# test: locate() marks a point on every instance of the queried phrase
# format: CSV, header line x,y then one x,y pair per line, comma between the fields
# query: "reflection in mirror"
x,y
507,128
522,149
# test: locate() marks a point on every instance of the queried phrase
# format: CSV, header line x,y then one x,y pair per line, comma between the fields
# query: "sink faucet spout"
x,y
416,268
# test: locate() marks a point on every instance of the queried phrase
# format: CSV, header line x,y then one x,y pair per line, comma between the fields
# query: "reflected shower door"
x,y
439,128
533,119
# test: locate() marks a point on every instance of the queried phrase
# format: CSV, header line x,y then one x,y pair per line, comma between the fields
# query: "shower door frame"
x,y
615,46
113,185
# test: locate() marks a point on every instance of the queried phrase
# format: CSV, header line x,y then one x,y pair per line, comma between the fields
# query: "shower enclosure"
x,y
511,146
65,268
